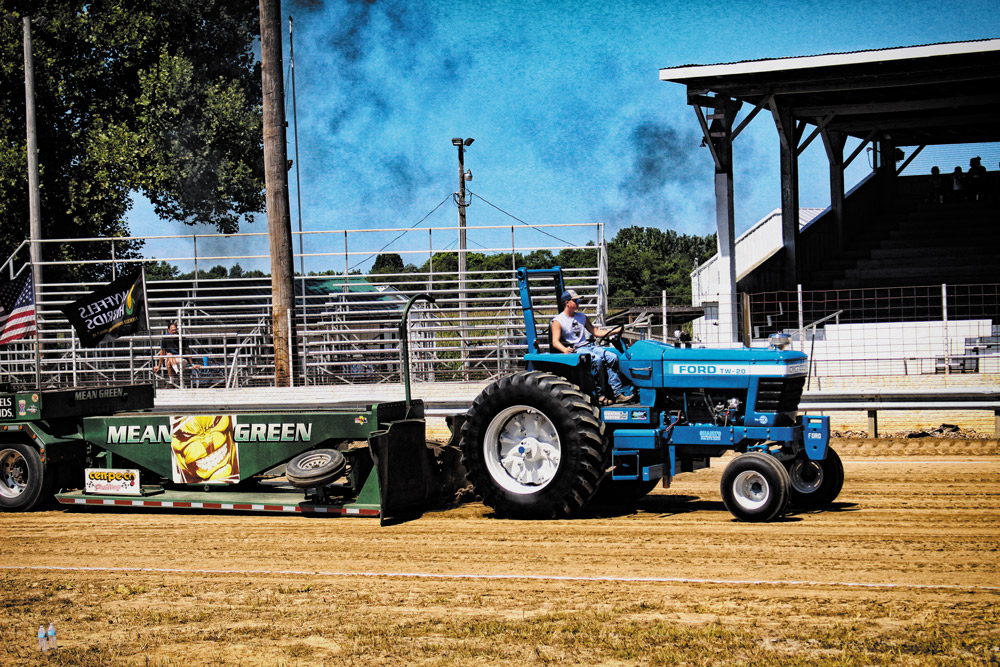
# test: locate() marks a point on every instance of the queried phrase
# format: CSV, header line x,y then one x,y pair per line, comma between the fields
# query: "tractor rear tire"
x,y
534,446
755,487
24,481
815,484
315,468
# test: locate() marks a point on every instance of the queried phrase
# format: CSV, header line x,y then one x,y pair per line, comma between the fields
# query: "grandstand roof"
x,y
932,94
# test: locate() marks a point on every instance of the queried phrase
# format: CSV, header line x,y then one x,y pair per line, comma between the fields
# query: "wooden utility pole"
x,y
279,226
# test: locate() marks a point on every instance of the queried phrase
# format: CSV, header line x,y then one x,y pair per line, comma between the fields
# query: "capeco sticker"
x,y
117,481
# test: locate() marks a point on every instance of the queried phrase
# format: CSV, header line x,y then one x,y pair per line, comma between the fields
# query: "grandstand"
x,y
891,280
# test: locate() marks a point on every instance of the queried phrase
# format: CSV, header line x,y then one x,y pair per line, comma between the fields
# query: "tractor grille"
x,y
779,394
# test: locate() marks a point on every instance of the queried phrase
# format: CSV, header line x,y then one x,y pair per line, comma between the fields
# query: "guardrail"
x,y
872,401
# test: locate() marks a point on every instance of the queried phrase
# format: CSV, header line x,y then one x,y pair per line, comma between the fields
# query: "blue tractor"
x,y
540,444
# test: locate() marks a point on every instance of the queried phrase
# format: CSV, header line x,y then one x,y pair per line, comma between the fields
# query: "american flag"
x,y
17,309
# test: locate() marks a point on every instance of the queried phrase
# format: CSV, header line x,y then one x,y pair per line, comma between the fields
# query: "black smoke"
x,y
662,155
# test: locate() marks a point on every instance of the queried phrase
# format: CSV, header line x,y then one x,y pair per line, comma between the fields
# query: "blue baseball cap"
x,y
570,295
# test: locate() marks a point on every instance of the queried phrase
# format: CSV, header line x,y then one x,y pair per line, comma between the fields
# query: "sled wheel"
x,y
23,482
815,484
755,487
317,467
533,446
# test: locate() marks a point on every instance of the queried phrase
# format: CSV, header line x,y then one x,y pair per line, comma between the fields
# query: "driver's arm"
x,y
595,331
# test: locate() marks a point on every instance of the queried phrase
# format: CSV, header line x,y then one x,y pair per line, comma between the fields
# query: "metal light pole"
x,y
298,206
462,144
34,202
298,181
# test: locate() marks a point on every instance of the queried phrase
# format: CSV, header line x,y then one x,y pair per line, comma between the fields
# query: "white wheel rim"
x,y
751,490
807,476
522,450
13,473
314,461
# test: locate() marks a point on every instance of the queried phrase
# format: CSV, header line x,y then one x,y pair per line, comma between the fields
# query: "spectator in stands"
x,y
935,184
958,185
170,352
681,338
570,330
976,179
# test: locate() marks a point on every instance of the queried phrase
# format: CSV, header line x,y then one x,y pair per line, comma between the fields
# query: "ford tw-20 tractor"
x,y
539,443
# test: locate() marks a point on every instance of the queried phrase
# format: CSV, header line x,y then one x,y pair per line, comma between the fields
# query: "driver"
x,y
570,330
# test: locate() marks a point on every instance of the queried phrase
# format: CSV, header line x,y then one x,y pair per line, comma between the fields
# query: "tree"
x,y
645,261
390,262
160,97
161,271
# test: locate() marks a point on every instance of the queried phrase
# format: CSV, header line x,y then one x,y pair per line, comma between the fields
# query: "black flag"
x,y
119,309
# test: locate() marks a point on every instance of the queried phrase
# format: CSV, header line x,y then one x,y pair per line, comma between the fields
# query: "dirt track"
x,y
903,570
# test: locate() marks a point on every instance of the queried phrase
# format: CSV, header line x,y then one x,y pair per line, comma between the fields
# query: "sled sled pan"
x,y
404,468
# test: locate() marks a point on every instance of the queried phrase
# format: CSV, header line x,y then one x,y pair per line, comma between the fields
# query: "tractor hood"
x,y
652,360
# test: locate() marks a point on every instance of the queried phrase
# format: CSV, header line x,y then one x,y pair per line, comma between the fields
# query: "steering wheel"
x,y
612,338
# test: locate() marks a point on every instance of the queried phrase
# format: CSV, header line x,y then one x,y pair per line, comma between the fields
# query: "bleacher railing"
x,y
346,322
888,331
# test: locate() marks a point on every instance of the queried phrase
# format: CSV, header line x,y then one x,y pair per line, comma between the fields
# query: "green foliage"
x,y
161,97
390,262
164,271
161,271
645,261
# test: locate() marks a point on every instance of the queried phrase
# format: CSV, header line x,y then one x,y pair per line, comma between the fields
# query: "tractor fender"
x,y
571,360
573,368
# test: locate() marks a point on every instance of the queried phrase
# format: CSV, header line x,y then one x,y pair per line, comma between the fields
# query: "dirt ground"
x,y
904,569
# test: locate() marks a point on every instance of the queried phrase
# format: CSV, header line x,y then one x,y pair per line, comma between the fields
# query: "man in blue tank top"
x,y
571,331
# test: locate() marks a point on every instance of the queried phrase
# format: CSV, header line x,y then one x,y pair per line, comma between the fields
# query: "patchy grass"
x,y
108,620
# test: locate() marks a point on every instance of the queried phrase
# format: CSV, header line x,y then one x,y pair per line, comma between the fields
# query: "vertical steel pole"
x,y
295,123
298,204
944,319
664,298
802,336
462,305
34,199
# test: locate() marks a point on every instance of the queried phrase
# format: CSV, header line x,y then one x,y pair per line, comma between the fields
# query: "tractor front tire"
x,y
534,446
815,484
755,487
24,482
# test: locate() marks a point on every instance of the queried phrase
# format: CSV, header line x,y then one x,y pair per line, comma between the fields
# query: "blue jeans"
x,y
602,356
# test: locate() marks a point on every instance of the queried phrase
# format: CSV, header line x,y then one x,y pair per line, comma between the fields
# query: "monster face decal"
x,y
204,450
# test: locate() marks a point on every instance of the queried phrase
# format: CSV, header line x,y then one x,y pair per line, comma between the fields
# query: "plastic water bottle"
x,y
52,635
43,645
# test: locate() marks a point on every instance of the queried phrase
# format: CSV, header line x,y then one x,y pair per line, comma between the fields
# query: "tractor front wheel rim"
x,y
751,490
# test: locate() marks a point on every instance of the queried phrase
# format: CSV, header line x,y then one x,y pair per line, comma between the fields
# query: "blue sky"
x,y
570,120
